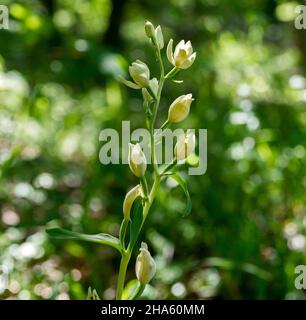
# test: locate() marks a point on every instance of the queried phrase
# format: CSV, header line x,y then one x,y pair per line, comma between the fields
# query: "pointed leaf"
x,y
102,238
129,288
122,232
136,221
183,185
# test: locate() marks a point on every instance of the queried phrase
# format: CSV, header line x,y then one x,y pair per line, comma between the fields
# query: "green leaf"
x,y
136,221
183,185
138,291
129,289
102,238
122,232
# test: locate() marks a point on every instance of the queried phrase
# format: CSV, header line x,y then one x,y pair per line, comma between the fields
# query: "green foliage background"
x,y
58,65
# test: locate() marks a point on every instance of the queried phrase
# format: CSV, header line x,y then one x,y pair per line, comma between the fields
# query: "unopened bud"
x,y
137,160
140,73
145,267
159,37
153,83
184,146
149,29
129,199
179,108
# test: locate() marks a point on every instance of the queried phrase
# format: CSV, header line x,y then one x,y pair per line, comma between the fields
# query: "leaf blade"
x,y
136,221
181,182
102,238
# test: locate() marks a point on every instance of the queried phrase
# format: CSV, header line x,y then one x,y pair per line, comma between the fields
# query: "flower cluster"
x,y
139,199
181,58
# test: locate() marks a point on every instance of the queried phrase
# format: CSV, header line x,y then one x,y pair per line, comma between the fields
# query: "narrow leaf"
x,y
183,185
102,238
122,232
136,221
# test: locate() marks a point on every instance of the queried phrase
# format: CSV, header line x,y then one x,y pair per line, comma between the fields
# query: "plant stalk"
x,y
126,254
125,258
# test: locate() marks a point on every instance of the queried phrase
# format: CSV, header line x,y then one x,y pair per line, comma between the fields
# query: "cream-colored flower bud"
x,y
137,160
183,56
140,73
153,83
149,29
159,37
179,108
145,267
184,146
129,199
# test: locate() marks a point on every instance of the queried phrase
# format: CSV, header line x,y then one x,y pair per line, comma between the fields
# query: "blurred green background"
x,y
58,67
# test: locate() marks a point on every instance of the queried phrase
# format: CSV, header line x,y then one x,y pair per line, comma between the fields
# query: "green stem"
x,y
151,199
155,108
126,254
143,182
164,125
169,166
125,258
172,73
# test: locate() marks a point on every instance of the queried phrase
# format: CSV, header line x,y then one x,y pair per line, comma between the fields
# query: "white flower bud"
x,y
145,267
129,199
183,56
137,160
149,29
159,37
184,146
179,108
140,73
154,34
153,83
